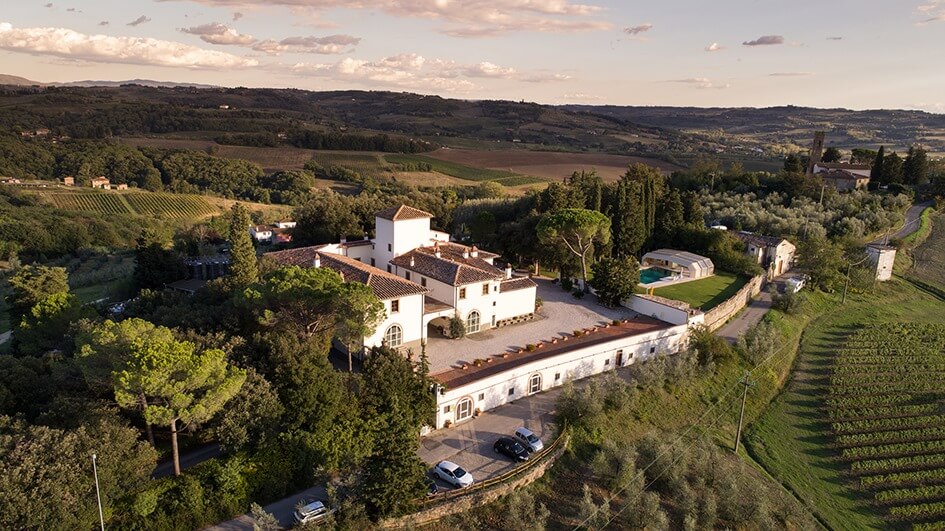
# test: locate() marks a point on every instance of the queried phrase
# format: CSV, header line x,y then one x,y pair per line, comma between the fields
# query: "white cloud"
x,y
835,38
636,30
700,83
331,44
765,40
791,74
581,97
714,47
216,33
467,18
143,19
415,72
64,42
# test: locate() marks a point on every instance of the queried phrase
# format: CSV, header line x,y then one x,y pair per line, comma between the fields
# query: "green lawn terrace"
x,y
705,293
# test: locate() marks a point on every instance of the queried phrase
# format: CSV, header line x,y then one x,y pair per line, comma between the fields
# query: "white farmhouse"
x,y
774,254
422,278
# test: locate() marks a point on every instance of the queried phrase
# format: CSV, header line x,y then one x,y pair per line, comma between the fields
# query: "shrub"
x,y
567,284
789,302
578,294
457,328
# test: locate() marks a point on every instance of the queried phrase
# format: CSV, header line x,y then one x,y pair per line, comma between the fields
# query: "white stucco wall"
x,y
657,310
410,319
400,236
515,303
493,391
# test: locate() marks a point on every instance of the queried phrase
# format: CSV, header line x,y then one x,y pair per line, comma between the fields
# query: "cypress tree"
x,y
876,174
916,166
243,267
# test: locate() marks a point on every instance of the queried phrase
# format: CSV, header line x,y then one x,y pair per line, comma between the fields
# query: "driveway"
x,y
188,459
560,313
281,509
469,444
910,225
751,315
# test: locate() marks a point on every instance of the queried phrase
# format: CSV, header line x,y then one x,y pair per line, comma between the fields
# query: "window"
x,y
485,289
372,262
394,306
358,259
511,391
557,376
482,396
388,268
423,281
447,409
388,247
462,293
606,363
394,336
534,384
407,273
464,409
652,350
472,322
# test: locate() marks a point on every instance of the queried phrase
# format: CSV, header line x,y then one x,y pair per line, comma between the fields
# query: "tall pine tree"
x,y
244,269
916,166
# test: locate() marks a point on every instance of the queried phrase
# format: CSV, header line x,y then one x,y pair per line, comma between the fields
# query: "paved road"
x,y
751,315
4,337
188,459
910,225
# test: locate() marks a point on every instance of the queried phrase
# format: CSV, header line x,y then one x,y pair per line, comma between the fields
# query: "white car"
x,y
311,510
529,440
453,474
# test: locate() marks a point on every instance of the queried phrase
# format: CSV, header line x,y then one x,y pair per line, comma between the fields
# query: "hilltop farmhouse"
x,y
841,175
775,255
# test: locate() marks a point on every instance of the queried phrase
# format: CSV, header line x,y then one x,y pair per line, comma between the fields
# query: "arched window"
x,y
472,322
464,409
534,384
394,336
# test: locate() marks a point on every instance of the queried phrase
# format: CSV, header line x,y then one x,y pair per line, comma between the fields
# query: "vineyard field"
x,y
885,391
154,204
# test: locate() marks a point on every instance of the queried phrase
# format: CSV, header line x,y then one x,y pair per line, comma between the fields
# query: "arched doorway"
x,y
473,322
394,336
534,383
464,409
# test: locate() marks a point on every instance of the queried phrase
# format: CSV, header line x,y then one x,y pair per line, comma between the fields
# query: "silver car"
x,y
529,440
453,474
311,510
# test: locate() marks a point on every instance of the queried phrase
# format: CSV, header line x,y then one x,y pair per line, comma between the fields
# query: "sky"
x,y
854,54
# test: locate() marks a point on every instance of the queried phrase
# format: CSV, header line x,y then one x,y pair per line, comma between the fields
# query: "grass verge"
x,y
706,293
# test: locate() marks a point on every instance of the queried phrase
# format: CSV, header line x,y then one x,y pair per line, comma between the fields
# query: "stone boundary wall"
x,y
716,317
526,474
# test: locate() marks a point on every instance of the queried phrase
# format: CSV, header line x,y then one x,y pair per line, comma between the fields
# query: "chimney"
x,y
465,253
412,261
474,252
816,151
344,240
508,270
317,262
436,250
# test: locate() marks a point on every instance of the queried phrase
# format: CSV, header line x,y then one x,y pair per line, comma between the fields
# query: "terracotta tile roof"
x,y
841,174
454,378
402,212
843,166
385,285
431,305
450,268
758,239
517,283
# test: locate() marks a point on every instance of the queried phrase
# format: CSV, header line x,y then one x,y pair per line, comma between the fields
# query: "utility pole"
x,y
846,282
741,414
822,188
98,495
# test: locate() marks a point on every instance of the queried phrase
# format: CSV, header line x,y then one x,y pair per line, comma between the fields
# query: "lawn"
x,y
706,293
791,439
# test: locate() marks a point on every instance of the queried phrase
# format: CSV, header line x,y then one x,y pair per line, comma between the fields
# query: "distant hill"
x,y
791,125
6,79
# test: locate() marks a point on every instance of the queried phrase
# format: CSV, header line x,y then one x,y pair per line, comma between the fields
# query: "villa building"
x,y
423,279
775,255
841,175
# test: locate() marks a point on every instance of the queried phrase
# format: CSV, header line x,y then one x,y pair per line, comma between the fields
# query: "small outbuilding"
x,y
686,265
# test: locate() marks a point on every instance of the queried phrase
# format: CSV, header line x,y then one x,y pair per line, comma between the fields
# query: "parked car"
x,y
311,510
529,440
453,474
511,448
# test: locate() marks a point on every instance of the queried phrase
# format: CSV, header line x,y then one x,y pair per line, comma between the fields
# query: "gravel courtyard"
x,y
561,313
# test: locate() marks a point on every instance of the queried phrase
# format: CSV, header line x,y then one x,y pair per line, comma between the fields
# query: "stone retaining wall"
x,y
716,317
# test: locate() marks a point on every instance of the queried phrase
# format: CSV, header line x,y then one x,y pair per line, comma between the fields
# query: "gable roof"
x,y
450,267
842,174
843,166
516,283
759,239
402,212
385,285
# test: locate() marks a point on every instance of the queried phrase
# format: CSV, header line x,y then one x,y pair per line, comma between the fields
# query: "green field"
x,y
155,204
462,171
793,440
367,164
928,264
706,293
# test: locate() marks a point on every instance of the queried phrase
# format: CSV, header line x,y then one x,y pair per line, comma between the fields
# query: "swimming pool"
x,y
653,274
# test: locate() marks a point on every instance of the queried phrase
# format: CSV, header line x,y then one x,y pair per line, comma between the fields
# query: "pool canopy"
x,y
683,263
